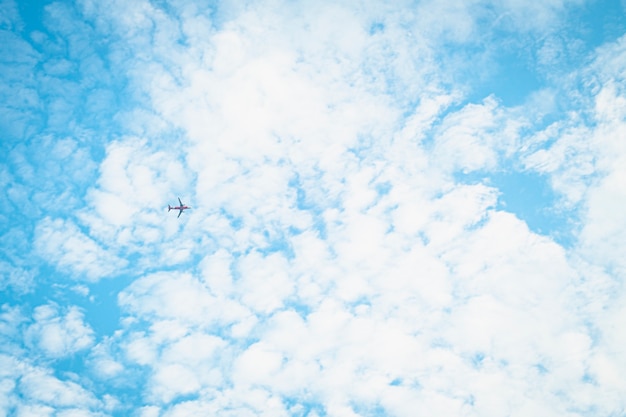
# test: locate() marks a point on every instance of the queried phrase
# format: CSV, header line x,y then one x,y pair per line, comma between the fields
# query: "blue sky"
x,y
397,209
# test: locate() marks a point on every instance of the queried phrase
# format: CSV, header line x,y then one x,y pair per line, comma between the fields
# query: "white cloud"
x,y
7,383
148,411
10,14
103,362
20,100
35,410
178,297
257,365
457,211
173,380
537,17
64,244
128,207
78,413
177,302
584,155
59,334
42,387
15,278
472,138
474,21
400,287
604,227
30,390
134,183
264,282
11,320
186,366
341,264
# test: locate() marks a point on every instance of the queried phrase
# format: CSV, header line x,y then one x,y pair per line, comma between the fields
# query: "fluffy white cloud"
x,y
585,161
333,262
604,227
361,272
264,282
475,137
45,388
59,333
18,279
62,243
103,362
187,365
34,391
135,184
179,298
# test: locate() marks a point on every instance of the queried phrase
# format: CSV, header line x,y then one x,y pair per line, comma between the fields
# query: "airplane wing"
x,y
181,203
180,212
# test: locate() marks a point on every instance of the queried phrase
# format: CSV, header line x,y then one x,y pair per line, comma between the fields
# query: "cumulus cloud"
x,y
29,390
371,275
64,244
45,388
348,252
186,366
15,278
584,160
59,334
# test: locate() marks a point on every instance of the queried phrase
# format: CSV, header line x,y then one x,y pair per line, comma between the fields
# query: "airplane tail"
x,y
169,207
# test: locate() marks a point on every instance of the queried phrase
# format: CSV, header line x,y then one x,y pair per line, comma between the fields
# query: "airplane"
x,y
181,208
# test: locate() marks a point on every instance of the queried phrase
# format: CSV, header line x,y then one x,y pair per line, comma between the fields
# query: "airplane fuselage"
x,y
180,208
